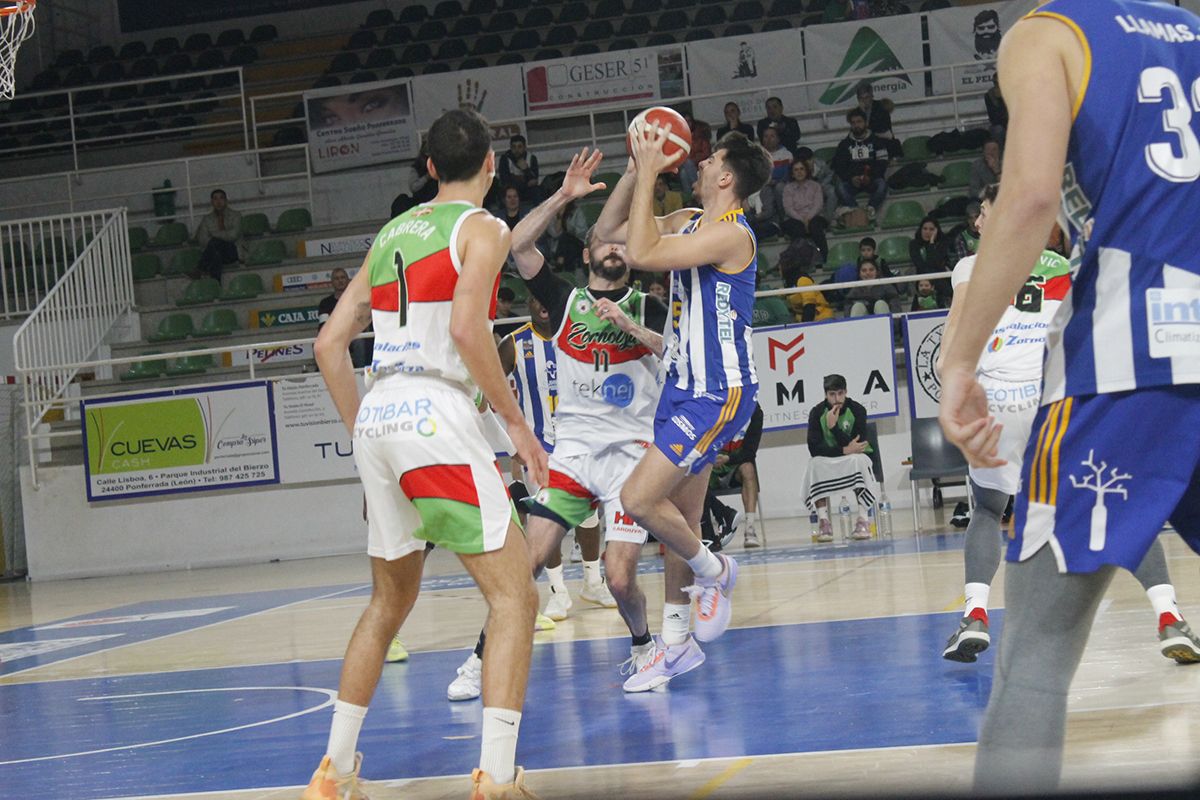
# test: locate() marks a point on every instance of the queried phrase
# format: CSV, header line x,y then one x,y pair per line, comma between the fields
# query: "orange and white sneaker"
x,y
327,784
484,788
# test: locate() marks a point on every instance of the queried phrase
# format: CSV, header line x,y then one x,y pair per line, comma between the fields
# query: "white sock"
x,y
977,597
823,512
343,735
591,573
555,574
705,565
498,758
677,622
1162,597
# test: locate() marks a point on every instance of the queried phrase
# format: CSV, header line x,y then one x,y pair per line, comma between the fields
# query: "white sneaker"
x,y
576,553
639,656
558,605
751,537
598,594
469,683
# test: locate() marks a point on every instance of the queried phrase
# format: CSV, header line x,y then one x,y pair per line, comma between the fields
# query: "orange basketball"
x,y
679,139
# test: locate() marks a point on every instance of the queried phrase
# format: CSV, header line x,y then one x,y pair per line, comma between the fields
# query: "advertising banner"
x,y
368,123
793,360
843,51
182,440
494,92
922,344
340,245
744,69
305,281
314,445
969,36
279,317
269,355
648,74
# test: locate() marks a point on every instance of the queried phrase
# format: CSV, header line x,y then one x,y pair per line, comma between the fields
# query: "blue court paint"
x,y
779,689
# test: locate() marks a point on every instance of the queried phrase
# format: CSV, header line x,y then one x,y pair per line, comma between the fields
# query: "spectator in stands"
x,y
733,122
734,468
841,463
658,289
789,129
928,252
879,114
875,299
762,210
505,297
802,204
219,236
986,169
822,173
926,297
867,252
561,246
360,349
997,111
419,186
512,211
860,164
689,170
964,239
808,306
781,157
519,168
666,199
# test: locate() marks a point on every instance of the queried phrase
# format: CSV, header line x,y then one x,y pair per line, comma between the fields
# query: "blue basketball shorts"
x,y
691,429
1104,472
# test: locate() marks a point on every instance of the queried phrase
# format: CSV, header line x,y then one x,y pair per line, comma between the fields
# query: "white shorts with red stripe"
x,y
428,471
581,483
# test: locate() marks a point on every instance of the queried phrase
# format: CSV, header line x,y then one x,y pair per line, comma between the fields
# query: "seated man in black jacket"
x,y
840,466
735,467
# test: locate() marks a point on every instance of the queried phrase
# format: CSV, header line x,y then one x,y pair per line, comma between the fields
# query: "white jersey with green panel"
x,y
414,268
607,379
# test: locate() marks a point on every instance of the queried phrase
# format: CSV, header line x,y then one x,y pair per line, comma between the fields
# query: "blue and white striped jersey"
x,y
710,348
1131,190
535,379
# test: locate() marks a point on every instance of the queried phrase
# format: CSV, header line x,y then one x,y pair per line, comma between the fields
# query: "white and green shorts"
x,y
581,483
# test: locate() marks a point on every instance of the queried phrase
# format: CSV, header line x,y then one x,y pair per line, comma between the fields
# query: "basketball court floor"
x,y
219,684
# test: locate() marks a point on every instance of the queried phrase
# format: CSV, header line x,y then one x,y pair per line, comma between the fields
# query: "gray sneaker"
x,y
971,638
1178,641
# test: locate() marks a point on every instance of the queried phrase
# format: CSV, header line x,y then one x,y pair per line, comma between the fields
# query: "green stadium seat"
x,y
244,287
591,212
294,220
843,253
916,148
956,175
173,328
172,234
145,370
138,238
266,252
517,285
183,262
894,250
191,365
203,290
609,179
903,214
772,311
255,225
825,154
146,266
218,322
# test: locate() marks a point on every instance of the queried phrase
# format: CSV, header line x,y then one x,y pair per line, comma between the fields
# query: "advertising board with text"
x,y
181,440
373,123
621,77
307,281
922,346
793,360
314,444
841,53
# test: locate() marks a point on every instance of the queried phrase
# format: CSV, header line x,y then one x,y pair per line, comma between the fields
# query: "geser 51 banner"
x,y
922,345
182,440
793,360
648,74
359,125
843,52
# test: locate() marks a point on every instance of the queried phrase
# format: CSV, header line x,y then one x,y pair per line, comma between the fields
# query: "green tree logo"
x,y
868,52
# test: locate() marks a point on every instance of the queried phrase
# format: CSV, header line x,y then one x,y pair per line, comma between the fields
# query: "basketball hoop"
x,y
16,25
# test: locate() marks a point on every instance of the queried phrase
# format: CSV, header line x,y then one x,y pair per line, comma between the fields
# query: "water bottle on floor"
x,y
814,524
885,516
843,514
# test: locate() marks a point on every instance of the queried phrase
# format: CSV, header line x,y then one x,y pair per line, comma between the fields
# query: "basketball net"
x,y
16,25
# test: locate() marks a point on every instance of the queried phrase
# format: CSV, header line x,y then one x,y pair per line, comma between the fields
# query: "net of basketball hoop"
x,y
16,25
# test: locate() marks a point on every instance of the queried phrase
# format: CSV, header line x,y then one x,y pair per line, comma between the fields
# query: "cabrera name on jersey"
x,y
1132,183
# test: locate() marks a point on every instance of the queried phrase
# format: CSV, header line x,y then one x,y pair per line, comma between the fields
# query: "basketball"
x,y
680,137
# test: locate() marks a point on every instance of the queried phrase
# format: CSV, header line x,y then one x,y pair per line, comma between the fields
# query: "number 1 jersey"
x,y
1131,191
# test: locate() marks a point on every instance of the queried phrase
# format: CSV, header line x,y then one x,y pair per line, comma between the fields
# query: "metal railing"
x,y
74,318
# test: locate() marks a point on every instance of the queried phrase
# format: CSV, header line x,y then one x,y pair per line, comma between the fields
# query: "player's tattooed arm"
x,y
609,311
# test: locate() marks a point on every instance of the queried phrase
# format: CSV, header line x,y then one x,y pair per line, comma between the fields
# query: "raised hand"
x,y
578,180
647,147
966,421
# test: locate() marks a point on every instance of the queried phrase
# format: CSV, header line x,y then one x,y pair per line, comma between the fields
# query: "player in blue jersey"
x,y
711,388
1100,96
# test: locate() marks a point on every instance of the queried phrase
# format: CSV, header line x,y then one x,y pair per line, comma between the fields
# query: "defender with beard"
x,y
606,351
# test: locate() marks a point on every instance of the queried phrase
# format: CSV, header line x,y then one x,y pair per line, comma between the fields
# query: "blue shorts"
x,y
1104,472
690,430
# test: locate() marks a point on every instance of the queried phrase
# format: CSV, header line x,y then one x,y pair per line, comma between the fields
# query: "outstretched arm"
x,y
613,224
576,184
609,311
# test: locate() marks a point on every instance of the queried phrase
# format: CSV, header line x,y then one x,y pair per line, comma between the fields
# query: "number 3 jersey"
x,y
1130,191
414,266
1018,344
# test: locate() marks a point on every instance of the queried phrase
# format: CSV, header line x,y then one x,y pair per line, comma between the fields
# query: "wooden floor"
x,y
868,621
